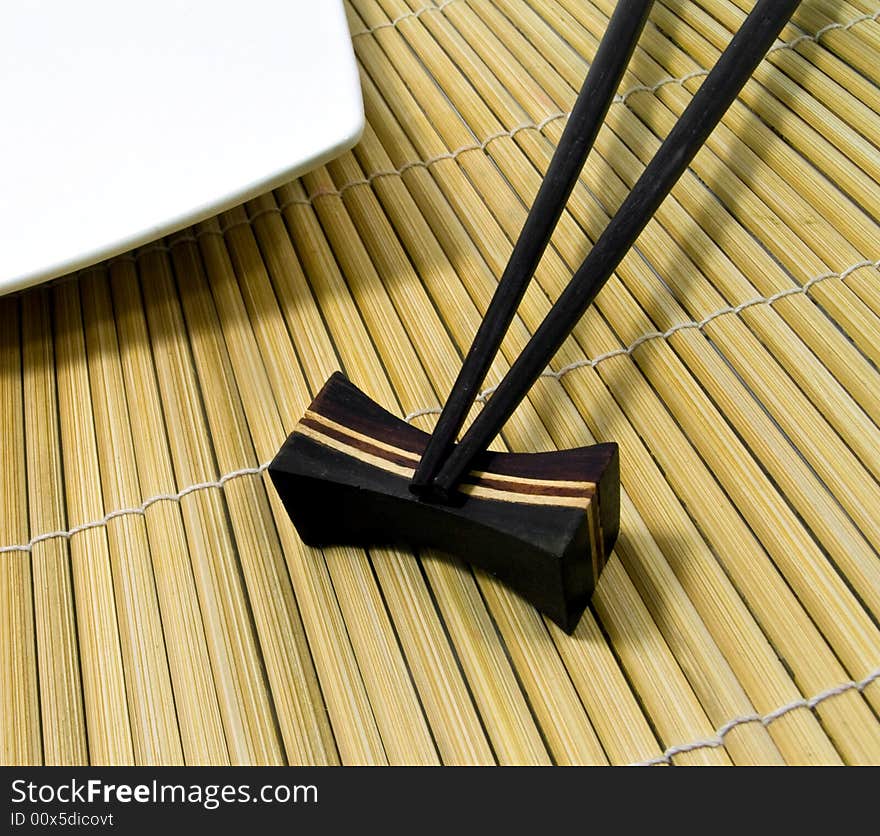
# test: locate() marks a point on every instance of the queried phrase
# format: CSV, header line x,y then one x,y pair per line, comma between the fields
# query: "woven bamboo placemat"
x,y
157,606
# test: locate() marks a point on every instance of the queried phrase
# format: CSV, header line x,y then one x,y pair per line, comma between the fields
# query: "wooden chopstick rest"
x,y
544,523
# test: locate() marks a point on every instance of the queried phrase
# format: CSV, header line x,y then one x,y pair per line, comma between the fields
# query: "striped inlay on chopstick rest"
x,y
542,522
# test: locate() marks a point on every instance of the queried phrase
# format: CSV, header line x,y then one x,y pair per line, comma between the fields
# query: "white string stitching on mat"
x,y
363,181
394,172
792,44
788,45
765,720
139,510
620,98
219,483
672,751
399,18
815,37
434,410
803,289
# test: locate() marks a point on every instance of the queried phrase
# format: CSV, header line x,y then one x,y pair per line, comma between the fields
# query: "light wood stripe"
x,y
477,475
476,491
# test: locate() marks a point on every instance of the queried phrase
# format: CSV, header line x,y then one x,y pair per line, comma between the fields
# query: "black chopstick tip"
x,y
420,485
420,489
434,494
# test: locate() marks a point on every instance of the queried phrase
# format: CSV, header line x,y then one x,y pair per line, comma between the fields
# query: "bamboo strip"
x,y
644,655
353,577
438,121
787,404
439,74
117,346
865,7
848,160
155,732
455,308
439,223
605,692
841,12
454,724
836,352
812,148
868,123
249,724
101,651
293,686
380,679
832,228
20,739
829,345
699,300
783,398
58,663
746,577
855,425
442,690
537,637
801,80
381,666
824,60
854,45
202,733
494,146
403,216
865,287
383,180
383,120
358,737
804,233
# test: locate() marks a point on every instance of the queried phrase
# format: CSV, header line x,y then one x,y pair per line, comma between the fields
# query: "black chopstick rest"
x,y
544,523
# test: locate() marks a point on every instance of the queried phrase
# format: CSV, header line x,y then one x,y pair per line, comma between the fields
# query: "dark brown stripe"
x,y
351,408
498,482
495,481
357,443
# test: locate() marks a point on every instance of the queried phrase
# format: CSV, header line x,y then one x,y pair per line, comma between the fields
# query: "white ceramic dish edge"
x,y
346,131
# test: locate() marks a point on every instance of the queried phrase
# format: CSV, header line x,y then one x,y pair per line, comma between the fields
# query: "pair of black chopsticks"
x,y
443,463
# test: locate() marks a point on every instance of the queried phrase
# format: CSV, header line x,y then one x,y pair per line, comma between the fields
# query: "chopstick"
x,y
574,146
722,85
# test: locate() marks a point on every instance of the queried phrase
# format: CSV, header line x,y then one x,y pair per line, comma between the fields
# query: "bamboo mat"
x,y
156,604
